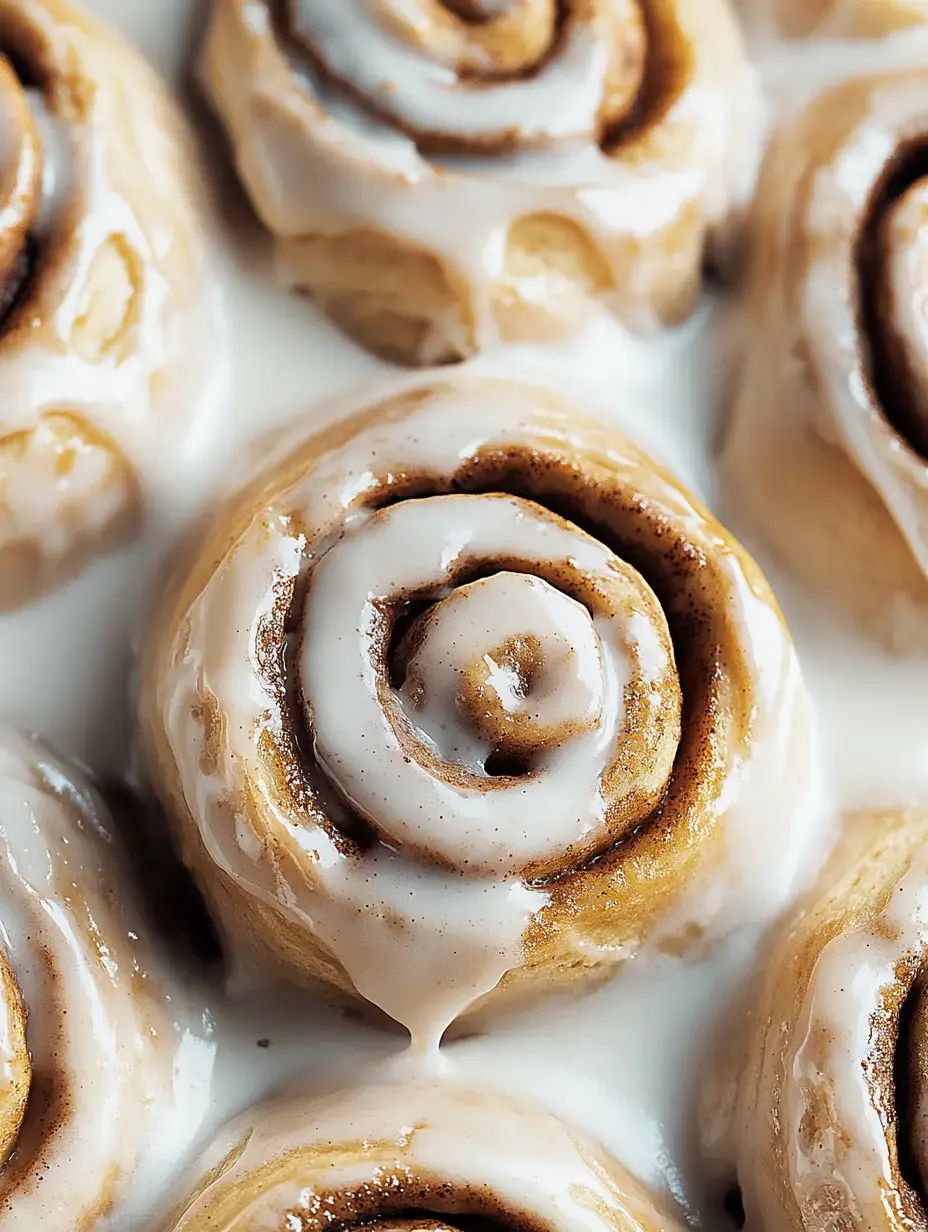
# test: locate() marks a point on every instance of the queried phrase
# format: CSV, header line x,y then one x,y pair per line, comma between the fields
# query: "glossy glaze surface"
x,y
628,1060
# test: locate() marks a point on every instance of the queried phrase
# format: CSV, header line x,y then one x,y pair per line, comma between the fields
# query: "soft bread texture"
x,y
828,1130
444,184
336,812
89,1044
412,1157
107,335
826,449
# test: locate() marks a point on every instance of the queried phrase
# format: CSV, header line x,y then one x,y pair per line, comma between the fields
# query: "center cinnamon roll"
x,y
443,175
470,681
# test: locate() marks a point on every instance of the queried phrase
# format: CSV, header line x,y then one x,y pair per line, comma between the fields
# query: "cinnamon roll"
x,y
830,1124
92,1068
413,1158
442,175
828,449
107,338
467,699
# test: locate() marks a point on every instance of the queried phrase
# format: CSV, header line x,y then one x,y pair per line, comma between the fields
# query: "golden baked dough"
x,y
828,444
417,698
90,1046
107,336
412,1158
830,1118
442,178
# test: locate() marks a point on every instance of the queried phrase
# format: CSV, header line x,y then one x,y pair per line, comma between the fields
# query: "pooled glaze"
x,y
633,210
411,1151
119,1082
220,710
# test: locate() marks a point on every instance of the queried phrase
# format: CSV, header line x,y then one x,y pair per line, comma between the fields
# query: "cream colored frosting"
x,y
118,1083
457,935
316,162
374,1154
416,546
117,330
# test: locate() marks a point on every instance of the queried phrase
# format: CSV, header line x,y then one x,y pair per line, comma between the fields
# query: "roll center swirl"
x,y
537,710
506,667
15,1065
482,74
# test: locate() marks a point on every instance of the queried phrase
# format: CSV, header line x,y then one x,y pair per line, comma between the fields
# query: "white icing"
x,y
417,546
475,935
468,1142
851,1154
316,163
98,1014
561,100
467,631
56,164
122,332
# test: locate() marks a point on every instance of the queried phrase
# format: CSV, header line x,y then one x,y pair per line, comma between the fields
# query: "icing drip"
x,y
413,728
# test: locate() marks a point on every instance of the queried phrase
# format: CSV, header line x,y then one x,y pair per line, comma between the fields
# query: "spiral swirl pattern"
x,y
414,761
471,682
99,268
829,1129
91,1068
834,390
441,175
535,75
412,1158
